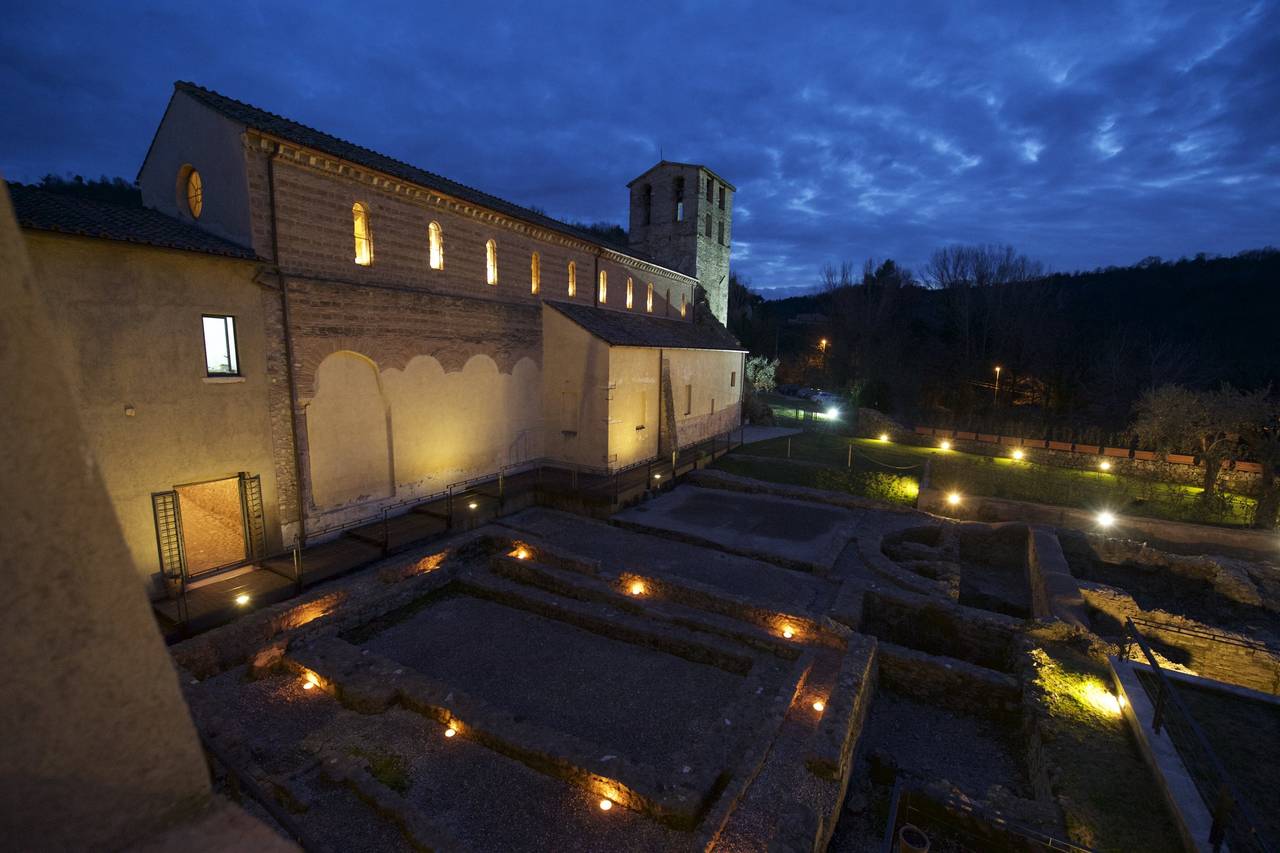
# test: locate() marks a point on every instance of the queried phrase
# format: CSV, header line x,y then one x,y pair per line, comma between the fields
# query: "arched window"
x,y
364,239
648,299
491,262
573,279
436,238
195,194
683,305
535,274
604,287
628,293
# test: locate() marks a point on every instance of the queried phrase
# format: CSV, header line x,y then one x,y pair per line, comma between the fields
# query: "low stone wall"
x,y
1237,580
950,683
1210,652
712,479
941,628
1175,536
1054,592
831,750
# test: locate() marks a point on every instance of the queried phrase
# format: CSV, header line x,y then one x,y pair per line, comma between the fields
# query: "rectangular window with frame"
x,y
220,356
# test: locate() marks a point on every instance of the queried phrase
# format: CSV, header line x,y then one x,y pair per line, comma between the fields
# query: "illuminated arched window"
x,y
683,305
436,239
573,279
628,293
535,273
195,193
604,286
648,299
491,262
364,240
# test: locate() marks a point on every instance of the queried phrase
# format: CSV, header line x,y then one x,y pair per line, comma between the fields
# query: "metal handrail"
x,y
1227,803
1207,633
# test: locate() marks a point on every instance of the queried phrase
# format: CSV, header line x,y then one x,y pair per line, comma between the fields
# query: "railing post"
x,y
1158,718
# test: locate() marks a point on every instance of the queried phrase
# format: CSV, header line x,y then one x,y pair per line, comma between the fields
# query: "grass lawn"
x,y
1109,798
1004,477
890,488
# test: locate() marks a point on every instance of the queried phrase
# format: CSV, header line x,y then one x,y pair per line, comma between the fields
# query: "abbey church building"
x,y
293,333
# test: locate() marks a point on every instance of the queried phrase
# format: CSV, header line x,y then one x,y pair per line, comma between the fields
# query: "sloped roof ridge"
x,y
415,174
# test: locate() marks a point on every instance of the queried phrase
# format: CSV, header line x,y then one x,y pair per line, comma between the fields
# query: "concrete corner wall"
x,y
98,748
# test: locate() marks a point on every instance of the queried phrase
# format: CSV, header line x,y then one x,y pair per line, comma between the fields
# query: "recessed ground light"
x,y
242,599
450,732
637,588
1018,454
884,436
521,554
1106,519
657,476
307,685
946,445
954,498
1104,465
472,505
819,706
605,805
788,633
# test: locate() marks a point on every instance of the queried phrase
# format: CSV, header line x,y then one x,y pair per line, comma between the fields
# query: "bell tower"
x,y
681,217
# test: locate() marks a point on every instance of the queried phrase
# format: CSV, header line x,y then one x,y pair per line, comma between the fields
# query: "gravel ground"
x,y
620,549
644,702
934,743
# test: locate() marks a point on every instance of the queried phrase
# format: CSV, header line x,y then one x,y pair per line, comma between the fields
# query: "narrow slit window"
x,y
491,262
535,273
711,189
733,379
435,238
629,293
648,299
722,198
220,357
683,305
707,228
679,186
573,279
364,239
604,287
647,200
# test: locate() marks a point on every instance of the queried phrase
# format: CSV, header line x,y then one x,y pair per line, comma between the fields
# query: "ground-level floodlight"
x,y
605,805
1018,454
884,436
1106,519
945,445
242,599
833,413
637,588
473,505
819,706
787,632
450,732
1104,465
953,498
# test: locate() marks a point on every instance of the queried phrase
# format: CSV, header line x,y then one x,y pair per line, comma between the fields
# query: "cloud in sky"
x,y
1085,134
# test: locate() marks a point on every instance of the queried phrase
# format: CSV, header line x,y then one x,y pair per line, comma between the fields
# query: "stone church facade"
x,y
403,332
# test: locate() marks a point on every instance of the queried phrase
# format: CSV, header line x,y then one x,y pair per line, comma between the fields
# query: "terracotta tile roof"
x,y
44,210
277,125
626,329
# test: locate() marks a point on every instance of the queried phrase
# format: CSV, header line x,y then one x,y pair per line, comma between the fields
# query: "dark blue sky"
x,y
1085,134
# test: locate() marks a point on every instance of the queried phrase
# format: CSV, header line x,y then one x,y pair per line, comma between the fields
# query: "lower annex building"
x,y
291,333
